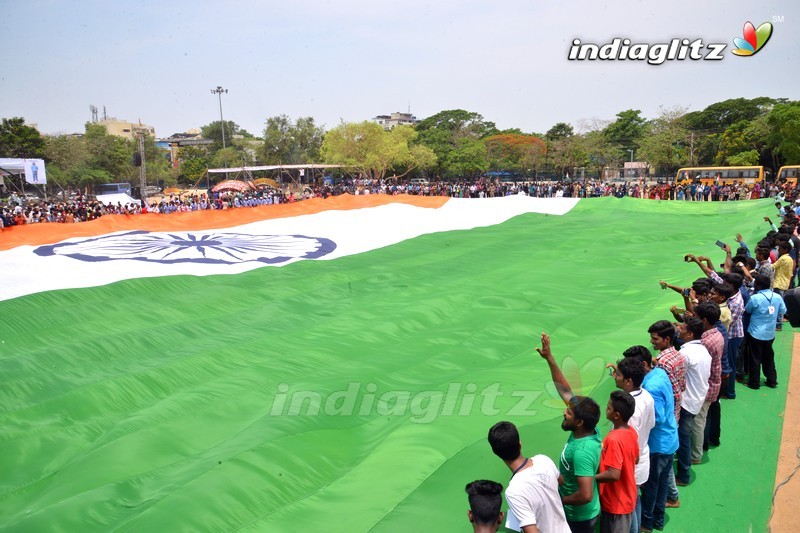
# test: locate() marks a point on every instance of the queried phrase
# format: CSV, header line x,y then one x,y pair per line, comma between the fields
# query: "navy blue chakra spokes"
x,y
194,247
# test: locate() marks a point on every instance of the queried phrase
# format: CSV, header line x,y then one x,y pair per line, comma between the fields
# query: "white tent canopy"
x,y
118,198
32,168
310,166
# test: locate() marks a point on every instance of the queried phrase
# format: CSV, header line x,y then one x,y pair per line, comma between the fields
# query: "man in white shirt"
x,y
628,376
698,370
534,504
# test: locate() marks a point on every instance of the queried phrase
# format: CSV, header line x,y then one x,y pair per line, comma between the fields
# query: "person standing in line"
x,y
628,376
617,478
580,458
762,309
533,501
698,370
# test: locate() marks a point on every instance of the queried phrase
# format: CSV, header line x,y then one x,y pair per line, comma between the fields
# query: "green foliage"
x,y
561,130
468,159
288,143
213,131
370,150
668,144
599,153
627,130
452,143
733,141
194,162
784,121
455,136
719,116
227,157
67,160
748,158
110,156
20,141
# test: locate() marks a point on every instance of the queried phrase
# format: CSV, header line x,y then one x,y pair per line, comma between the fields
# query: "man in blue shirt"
x,y
763,307
663,441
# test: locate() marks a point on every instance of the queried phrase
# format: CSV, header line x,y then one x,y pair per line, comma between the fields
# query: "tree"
x,y
669,144
468,159
20,141
67,160
227,157
372,151
733,141
627,130
445,134
784,120
600,154
213,131
717,117
566,154
507,151
110,157
743,159
559,131
193,162
289,143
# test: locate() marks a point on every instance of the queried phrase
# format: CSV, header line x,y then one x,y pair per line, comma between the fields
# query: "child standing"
x,y
618,458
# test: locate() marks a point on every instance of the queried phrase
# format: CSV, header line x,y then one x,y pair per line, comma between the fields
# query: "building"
x,y
395,119
174,142
123,128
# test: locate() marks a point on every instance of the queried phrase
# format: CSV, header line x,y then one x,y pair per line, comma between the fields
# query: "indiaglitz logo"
x,y
754,39
678,49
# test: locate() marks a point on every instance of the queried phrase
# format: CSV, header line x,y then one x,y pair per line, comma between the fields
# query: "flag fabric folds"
x,y
160,373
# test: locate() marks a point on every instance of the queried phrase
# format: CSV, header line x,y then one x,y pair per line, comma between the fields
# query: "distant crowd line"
x,y
82,208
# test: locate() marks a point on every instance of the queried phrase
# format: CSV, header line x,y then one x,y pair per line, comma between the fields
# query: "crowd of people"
x,y
81,208
666,413
488,188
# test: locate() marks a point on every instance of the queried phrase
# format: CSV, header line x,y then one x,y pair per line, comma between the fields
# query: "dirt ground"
x,y
785,507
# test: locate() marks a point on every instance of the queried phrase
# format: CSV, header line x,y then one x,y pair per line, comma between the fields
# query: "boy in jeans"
x,y
618,459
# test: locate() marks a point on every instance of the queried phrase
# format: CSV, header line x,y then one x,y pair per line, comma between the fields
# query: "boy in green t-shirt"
x,y
580,458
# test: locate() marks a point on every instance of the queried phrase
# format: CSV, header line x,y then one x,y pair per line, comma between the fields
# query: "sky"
x,y
351,60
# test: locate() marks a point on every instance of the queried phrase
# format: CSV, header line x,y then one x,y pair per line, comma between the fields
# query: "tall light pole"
x,y
218,91
631,151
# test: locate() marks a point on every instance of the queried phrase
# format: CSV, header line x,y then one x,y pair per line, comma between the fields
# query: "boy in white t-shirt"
x,y
533,501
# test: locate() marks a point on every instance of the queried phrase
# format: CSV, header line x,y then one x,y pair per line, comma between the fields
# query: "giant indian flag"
x,y
326,365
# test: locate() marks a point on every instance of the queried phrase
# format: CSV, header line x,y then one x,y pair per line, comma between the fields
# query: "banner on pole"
x,y
34,171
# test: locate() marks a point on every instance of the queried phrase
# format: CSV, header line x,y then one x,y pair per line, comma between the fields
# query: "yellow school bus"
x,y
720,175
789,174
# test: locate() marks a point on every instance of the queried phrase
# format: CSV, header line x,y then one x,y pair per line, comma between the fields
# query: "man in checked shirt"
x,y
671,360
673,363
714,342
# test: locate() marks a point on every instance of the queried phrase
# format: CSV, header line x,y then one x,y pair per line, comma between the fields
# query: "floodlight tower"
x,y
218,91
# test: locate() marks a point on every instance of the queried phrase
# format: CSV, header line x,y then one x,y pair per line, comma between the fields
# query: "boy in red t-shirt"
x,y
618,458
